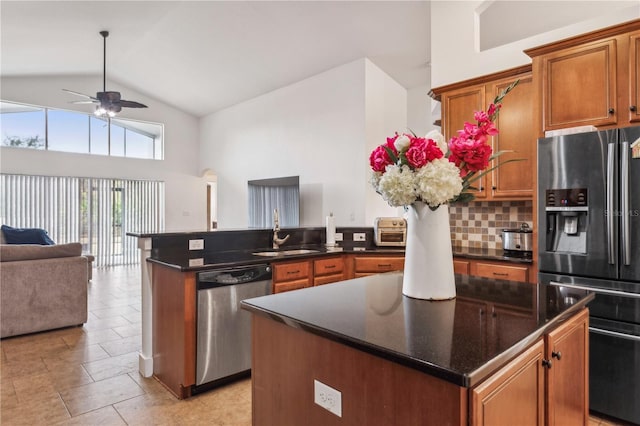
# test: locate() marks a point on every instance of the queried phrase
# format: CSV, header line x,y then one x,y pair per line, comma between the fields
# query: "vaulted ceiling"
x,y
202,56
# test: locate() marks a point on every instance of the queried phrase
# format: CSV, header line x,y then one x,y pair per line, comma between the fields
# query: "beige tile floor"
x,y
89,375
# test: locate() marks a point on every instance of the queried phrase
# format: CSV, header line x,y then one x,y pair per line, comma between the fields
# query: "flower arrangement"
x,y
409,168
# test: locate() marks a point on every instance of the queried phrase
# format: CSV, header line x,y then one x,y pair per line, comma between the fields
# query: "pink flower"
x,y
493,110
469,155
422,151
379,159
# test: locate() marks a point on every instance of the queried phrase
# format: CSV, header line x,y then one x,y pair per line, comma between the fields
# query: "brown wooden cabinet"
x,y
292,275
567,376
368,265
328,270
516,124
546,384
494,269
591,79
514,395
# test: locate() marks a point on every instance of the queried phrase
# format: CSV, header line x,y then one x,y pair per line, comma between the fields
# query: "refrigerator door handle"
x,y
611,203
624,194
615,334
596,290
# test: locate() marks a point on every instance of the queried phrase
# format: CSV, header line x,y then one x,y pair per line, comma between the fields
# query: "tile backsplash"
x,y
479,224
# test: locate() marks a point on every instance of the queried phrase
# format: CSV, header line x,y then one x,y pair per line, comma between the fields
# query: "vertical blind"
x,y
96,212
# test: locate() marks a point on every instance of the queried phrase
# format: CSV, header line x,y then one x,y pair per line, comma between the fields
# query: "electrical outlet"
x,y
196,244
327,397
196,262
359,236
338,236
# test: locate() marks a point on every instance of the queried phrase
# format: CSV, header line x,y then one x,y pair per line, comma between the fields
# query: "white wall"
x,y
454,56
185,191
316,129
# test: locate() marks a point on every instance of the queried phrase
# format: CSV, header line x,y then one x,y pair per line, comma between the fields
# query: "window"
x,y
95,212
28,126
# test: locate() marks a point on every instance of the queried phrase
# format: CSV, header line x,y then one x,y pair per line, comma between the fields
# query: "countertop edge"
x,y
463,380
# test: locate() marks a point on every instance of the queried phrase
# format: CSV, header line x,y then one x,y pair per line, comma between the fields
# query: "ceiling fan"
x,y
108,103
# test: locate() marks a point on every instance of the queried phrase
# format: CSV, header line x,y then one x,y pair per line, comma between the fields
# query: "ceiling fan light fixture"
x,y
100,111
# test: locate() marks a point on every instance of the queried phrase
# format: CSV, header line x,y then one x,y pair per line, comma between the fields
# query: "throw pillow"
x,y
26,236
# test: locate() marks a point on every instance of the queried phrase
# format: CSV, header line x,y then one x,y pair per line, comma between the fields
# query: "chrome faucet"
x,y
276,228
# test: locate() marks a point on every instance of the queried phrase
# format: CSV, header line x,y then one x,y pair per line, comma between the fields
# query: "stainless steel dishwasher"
x,y
224,329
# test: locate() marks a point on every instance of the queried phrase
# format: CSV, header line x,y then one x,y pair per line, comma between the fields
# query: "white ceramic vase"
x,y
428,262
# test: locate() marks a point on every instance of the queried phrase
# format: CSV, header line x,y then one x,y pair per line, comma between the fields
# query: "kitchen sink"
x,y
284,252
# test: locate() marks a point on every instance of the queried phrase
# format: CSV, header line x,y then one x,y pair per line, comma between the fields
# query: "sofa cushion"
x,y
26,235
14,252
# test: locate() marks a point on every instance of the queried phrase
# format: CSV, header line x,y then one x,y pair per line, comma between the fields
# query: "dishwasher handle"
x,y
233,276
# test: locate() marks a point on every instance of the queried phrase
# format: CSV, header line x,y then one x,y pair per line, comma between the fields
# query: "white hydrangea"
x,y
397,186
438,182
374,179
438,138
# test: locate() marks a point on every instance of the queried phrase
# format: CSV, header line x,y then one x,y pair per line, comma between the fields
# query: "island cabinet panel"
x,y
368,265
374,391
568,377
174,329
514,395
292,275
328,270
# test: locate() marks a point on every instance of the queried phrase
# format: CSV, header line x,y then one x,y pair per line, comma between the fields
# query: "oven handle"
x,y
615,334
596,290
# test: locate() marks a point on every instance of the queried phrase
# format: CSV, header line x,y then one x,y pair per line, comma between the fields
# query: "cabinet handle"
x,y
632,108
494,187
293,272
611,111
501,274
546,363
481,188
386,265
329,266
556,355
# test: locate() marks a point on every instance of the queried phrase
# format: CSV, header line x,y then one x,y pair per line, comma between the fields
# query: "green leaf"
x,y
391,154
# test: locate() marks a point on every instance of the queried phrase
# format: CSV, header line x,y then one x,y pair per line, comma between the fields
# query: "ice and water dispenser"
x,y
566,220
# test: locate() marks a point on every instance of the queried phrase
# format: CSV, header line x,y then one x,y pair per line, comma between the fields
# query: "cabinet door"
x,y
330,266
516,124
375,264
461,267
568,376
514,395
579,86
501,272
290,271
458,107
634,77
283,286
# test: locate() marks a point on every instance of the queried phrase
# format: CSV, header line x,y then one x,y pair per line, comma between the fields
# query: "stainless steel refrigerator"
x,y
589,237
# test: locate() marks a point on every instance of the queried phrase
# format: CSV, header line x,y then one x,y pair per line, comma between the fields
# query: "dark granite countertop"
x,y
198,260
194,261
462,340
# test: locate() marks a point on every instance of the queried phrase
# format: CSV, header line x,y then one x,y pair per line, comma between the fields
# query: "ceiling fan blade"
x,y
132,104
85,102
79,94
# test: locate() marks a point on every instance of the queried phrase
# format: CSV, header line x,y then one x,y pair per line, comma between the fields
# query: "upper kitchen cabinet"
x,y
591,79
516,123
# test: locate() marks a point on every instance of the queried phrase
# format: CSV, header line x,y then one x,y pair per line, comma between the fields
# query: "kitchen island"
x,y
502,352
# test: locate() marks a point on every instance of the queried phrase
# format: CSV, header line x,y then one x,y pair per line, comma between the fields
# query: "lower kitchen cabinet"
x,y
545,385
368,265
292,275
328,270
493,269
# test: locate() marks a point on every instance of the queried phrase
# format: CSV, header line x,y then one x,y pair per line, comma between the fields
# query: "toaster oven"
x,y
390,231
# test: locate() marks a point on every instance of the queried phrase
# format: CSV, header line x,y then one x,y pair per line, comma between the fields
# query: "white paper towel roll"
x,y
331,231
